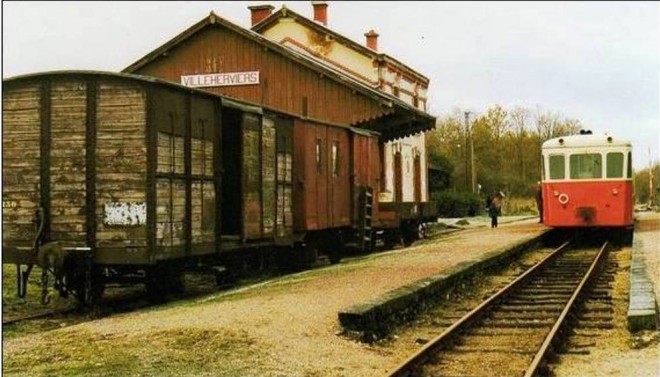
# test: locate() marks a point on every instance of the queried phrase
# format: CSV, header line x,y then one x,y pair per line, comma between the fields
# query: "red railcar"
x,y
587,182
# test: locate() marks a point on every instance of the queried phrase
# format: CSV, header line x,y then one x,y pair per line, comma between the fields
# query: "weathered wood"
x,y
21,162
120,159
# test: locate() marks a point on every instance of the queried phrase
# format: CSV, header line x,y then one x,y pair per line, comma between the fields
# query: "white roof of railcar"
x,y
578,141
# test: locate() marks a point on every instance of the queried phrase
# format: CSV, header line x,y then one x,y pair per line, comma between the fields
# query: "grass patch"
x,y
174,352
519,207
13,306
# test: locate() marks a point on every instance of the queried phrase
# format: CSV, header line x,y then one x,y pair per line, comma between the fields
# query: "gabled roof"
x,y
419,120
271,20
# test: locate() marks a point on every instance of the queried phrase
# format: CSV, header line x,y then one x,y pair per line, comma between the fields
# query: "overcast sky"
x,y
593,61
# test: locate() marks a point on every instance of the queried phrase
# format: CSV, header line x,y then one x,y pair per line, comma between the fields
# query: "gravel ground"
x,y
284,327
617,353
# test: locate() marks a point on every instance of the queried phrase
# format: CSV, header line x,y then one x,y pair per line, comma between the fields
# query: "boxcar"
x,y
108,175
587,182
116,178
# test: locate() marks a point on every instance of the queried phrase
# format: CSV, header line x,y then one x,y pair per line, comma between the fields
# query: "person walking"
x,y
495,208
538,193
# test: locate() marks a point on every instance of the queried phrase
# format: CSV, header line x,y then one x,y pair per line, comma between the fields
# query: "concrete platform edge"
x,y
642,306
376,318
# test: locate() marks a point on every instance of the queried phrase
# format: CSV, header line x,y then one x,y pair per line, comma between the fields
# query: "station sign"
x,y
221,79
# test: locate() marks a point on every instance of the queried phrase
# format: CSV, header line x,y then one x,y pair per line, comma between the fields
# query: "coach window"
x,y
335,158
557,167
615,165
586,166
319,157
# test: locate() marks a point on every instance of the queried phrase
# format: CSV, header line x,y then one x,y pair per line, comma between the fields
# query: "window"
x,y
557,170
586,166
629,165
319,157
543,169
615,165
335,158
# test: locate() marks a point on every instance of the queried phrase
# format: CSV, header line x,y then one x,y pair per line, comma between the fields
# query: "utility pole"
x,y
465,149
650,179
473,175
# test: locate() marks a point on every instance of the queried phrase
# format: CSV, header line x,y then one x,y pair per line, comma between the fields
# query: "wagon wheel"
x,y
336,250
162,280
421,231
303,258
93,285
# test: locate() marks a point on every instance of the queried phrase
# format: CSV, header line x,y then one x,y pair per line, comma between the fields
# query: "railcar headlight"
x,y
615,191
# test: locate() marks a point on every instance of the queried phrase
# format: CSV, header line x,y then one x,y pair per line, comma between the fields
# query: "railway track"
x,y
514,330
35,316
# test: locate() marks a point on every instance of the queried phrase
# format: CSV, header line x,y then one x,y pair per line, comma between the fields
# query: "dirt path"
x,y
285,327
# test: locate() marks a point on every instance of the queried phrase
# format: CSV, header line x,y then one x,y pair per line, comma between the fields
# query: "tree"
x,y
641,182
506,143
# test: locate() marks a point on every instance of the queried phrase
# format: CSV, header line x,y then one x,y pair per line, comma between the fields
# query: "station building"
x,y
299,67
405,166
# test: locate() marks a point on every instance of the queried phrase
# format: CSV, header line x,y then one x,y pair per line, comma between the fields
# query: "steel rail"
x,y
545,347
49,313
406,368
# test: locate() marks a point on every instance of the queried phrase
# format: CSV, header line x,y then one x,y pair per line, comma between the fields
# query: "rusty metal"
x,y
567,268
545,347
421,356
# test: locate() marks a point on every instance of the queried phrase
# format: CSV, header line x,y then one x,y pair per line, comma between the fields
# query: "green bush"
x,y
458,204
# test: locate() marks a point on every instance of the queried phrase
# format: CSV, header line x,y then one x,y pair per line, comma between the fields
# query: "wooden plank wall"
x,y
121,159
20,163
203,201
284,85
284,166
67,161
252,176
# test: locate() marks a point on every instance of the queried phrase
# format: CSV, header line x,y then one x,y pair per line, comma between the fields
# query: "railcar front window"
x,y
615,165
557,170
586,166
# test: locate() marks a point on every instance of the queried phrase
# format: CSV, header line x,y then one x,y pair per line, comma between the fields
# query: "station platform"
x,y
645,273
288,326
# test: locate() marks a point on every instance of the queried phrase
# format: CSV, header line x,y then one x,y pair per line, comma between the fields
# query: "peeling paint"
x,y
129,214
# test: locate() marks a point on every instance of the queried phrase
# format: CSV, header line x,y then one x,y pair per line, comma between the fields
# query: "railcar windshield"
x,y
615,165
586,166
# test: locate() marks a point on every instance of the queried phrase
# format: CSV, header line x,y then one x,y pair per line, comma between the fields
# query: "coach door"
x,y
284,174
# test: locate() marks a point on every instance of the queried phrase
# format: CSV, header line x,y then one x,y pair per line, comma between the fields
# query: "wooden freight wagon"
x,y
108,175
115,177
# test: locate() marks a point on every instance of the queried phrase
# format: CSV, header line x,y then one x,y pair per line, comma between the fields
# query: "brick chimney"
x,y
372,39
320,12
260,12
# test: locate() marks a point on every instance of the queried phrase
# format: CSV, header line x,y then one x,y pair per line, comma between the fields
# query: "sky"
x,y
598,62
